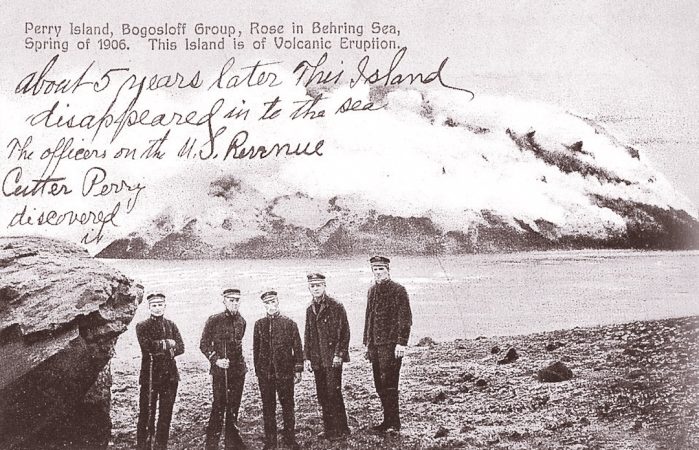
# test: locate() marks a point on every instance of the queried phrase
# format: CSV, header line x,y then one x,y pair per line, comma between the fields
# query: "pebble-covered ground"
x,y
634,386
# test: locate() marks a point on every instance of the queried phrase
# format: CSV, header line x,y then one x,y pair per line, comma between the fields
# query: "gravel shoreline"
x,y
634,386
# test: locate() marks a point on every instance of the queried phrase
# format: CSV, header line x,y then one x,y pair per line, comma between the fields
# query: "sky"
x,y
632,66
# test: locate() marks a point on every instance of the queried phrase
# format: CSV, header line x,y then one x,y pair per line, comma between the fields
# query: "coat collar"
x,y
385,282
323,304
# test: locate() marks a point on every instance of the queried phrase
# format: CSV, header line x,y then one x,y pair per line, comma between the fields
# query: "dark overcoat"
x,y
152,335
222,338
276,347
388,316
327,333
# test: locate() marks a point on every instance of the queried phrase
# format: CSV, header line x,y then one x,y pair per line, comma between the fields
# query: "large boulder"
x,y
61,313
555,373
510,357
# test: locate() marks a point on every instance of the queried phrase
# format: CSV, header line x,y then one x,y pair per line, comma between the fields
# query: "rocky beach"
x,y
633,386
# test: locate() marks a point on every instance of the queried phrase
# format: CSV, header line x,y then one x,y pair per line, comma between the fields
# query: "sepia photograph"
x,y
349,225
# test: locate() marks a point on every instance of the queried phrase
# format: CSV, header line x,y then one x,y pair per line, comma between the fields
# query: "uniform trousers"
x,y
270,388
329,391
386,368
227,404
162,398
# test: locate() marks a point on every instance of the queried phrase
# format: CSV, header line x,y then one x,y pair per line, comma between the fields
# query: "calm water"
x,y
451,297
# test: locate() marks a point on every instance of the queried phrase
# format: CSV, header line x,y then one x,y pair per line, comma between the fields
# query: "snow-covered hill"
x,y
430,173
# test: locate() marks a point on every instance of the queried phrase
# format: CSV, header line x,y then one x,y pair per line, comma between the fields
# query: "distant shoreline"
x,y
633,251
452,297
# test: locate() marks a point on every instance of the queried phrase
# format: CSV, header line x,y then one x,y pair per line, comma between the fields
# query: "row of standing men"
x,y
279,361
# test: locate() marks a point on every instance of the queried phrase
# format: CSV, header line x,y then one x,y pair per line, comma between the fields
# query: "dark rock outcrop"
x,y
440,397
565,162
653,228
466,377
551,346
426,342
555,372
61,313
441,432
510,357
135,247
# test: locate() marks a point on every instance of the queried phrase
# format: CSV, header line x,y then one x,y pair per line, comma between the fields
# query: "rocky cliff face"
x,y
644,227
429,174
61,313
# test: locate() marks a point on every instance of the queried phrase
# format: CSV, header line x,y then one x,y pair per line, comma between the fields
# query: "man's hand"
x,y
400,351
307,366
298,376
366,352
223,363
167,344
337,361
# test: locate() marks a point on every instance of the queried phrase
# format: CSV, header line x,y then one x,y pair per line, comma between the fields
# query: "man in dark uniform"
x,y
325,346
160,342
278,357
221,344
386,333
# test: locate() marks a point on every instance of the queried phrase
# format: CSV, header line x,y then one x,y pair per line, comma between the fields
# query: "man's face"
x,y
232,303
157,308
380,272
317,289
271,305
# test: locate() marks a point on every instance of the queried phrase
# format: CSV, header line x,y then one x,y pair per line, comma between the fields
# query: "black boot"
x,y
380,428
392,411
383,426
289,440
269,445
327,425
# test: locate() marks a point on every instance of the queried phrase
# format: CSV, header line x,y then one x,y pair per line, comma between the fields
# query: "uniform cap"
x,y
268,294
156,297
231,293
315,276
379,261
